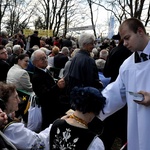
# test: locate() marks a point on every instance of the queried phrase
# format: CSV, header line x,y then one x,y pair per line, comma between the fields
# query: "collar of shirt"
x,y
146,50
45,70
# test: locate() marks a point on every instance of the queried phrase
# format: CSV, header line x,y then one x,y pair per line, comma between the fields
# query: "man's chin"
x,y
132,50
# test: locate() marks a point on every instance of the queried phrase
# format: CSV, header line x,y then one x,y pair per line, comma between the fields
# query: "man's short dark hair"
x,y
2,47
36,32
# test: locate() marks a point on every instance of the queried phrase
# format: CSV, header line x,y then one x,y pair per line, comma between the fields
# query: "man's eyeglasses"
x,y
42,58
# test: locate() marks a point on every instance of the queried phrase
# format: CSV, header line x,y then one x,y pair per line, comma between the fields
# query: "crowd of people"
x,y
82,86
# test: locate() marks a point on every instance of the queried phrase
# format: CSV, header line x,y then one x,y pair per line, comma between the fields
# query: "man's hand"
x,y
61,83
146,100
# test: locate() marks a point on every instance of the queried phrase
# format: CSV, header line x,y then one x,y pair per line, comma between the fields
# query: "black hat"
x,y
87,99
116,37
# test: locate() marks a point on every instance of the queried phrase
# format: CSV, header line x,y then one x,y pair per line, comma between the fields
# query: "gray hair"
x,y
9,50
85,38
43,38
35,47
75,52
100,63
65,50
34,57
16,49
46,51
103,54
95,51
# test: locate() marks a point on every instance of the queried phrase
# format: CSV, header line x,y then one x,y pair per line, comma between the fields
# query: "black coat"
x,y
83,71
4,67
47,91
67,43
115,58
60,60
12,59
34,40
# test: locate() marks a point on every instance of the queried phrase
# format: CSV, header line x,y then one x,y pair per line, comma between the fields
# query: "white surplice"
x,y
132,77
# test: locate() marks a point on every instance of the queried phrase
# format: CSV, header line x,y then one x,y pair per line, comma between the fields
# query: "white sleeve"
x,y
115,98
96,144
45,136
26,139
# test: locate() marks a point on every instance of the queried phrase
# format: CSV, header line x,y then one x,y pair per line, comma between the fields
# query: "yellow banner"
x,y
47,33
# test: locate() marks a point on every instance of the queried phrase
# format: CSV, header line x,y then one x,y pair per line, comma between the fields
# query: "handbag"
x,y
34,114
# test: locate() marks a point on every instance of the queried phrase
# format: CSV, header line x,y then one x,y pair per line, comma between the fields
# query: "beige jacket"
x,y
19,77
